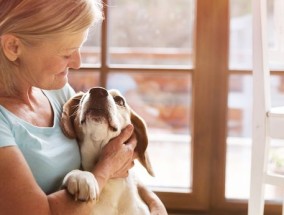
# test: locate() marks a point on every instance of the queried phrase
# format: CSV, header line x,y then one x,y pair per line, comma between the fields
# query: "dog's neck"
x,y
91,147
90,152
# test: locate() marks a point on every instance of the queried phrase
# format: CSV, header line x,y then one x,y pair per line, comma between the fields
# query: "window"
x,y
240,97
185,67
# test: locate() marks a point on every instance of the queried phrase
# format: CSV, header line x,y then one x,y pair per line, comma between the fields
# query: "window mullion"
x,y
210,100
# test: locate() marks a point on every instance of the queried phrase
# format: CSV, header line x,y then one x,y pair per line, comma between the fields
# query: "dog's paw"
x,y
82,185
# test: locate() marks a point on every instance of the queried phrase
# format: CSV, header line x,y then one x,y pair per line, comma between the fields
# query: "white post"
x,y
261,104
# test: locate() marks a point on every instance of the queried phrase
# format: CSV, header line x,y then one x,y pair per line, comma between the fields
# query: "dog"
x,y
94,118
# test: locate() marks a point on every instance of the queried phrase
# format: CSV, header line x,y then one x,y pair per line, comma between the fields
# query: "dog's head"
x,y
100,115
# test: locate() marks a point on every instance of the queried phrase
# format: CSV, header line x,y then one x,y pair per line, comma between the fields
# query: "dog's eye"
x,y
119,100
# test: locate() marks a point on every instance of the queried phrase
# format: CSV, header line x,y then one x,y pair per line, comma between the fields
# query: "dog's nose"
x,y
98,92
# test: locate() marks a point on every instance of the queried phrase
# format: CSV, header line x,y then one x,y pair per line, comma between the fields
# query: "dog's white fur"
x,y
94,118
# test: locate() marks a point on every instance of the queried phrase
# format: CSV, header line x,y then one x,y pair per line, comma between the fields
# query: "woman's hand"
x,y
117,157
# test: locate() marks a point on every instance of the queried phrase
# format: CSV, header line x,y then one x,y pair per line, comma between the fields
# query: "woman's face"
x,y
46,66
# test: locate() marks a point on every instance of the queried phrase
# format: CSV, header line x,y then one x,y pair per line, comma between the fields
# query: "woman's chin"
x,y
56,84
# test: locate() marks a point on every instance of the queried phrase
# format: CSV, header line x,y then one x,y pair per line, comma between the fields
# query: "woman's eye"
x,y
119,100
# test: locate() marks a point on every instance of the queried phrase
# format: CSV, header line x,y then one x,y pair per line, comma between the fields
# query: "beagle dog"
x,y
94,118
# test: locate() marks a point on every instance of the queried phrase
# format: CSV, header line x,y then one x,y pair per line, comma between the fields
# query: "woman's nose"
x,y
75,60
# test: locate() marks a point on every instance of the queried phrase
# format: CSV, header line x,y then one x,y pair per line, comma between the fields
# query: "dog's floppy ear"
x,y
68,115
140,130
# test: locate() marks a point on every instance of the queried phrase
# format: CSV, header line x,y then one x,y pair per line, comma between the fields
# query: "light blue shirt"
x,y
49,154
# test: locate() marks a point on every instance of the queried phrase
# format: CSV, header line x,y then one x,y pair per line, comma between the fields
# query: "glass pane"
x,y
241,34
276,156
239,136
90,52
83,80
164,101
276,33
240,96
277,90
151,32
239,140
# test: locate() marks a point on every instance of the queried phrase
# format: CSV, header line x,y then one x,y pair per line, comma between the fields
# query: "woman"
x,y
39,41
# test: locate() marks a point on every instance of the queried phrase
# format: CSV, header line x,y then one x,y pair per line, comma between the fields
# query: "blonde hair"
x,y
35,20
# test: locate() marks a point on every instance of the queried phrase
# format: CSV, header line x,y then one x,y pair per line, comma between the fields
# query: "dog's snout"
x,y
98,92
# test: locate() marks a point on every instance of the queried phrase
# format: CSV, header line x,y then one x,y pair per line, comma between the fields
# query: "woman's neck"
x,y
24,95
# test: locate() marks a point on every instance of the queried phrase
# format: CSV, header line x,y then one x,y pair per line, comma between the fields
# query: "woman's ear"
x,y
11,46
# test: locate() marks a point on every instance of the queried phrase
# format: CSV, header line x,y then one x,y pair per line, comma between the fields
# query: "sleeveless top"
x,y
49,154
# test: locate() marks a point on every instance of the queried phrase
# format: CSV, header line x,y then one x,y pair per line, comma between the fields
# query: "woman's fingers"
x,y
132,141
126,133
119,153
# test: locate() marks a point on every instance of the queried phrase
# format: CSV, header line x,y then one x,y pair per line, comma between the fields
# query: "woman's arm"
x,y
20,194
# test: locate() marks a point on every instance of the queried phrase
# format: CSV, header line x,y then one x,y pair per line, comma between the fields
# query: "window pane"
x,y
276,33
241,34
239,140
90,52
83,80
164,101
276,158
240,95
239,136
151,32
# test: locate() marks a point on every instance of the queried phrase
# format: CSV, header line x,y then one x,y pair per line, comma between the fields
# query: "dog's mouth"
x,y
99,115
97,112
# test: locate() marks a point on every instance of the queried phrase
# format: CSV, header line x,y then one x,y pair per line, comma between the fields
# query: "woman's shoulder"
x,y
6,128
